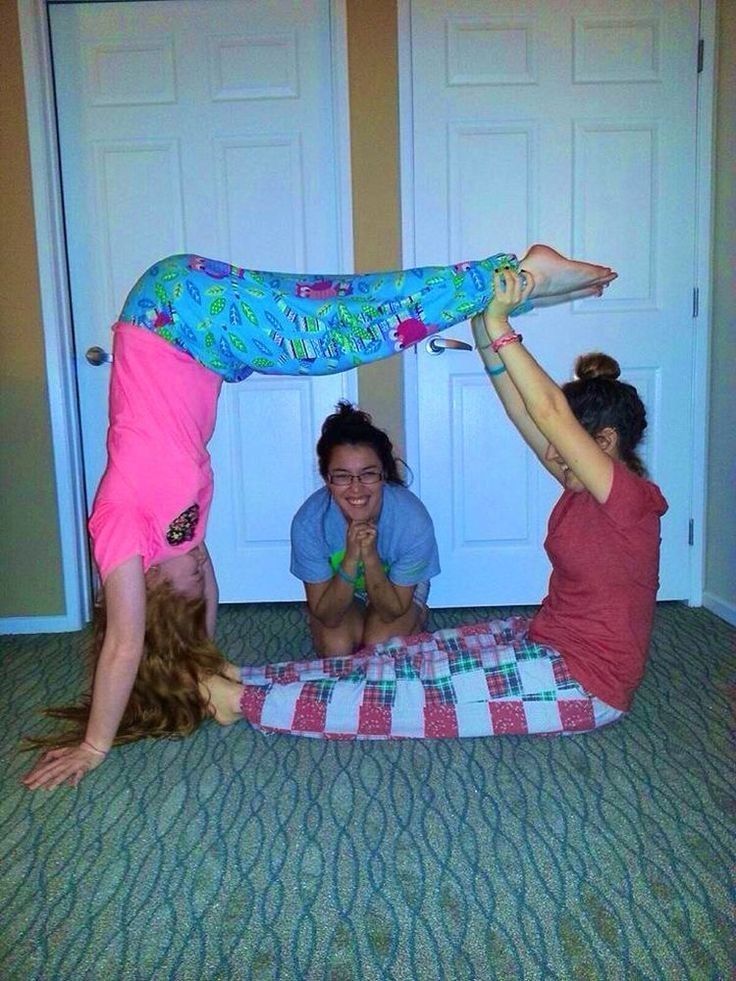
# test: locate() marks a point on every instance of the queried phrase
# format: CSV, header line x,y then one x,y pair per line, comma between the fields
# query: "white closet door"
x,y
206,126
573,123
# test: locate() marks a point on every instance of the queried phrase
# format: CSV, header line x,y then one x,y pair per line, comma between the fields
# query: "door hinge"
x,y
691,532
701,54
696,302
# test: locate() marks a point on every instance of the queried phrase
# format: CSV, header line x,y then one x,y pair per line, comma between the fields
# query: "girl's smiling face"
x,y
359,500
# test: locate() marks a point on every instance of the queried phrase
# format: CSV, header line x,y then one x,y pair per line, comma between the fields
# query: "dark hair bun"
x,y
597,365
346,415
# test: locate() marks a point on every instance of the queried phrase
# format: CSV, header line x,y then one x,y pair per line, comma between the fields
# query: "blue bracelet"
x,y
344,576
498,370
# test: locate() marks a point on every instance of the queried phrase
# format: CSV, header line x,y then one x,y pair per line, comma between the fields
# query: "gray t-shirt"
x,y
406,544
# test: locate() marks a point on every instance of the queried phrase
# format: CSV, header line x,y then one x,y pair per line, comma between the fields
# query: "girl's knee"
x,y
336,641
412,622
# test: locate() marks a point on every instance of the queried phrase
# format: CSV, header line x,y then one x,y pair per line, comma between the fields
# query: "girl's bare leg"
x,y
343,639
378,632
555,275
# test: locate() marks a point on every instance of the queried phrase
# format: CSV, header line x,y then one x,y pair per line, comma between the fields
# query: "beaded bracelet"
x,y
505,339
498,370
351,580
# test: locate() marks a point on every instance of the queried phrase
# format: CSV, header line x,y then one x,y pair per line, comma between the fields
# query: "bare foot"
x,y
223,698
550,301
554,275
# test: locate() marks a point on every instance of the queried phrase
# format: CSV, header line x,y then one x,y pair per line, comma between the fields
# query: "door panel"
x,y
206,127
571,123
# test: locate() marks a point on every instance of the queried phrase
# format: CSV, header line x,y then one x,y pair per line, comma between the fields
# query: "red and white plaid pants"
x,y
487,679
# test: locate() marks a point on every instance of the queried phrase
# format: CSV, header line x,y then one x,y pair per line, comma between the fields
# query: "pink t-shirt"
x,y
605,574
154,497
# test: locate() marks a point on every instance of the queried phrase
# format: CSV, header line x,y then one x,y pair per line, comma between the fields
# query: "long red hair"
x,y
166,699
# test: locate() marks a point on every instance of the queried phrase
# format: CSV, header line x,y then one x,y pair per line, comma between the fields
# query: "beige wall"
x,y
720,566
374,133
30,554
30,568
30,551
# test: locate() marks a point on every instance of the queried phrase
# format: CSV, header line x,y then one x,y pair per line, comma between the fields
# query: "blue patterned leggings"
x,y
237,321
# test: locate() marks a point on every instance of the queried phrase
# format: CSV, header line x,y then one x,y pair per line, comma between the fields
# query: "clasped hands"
x,y
361,541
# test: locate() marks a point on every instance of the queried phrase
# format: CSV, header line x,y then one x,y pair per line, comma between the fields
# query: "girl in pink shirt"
x,y
188,324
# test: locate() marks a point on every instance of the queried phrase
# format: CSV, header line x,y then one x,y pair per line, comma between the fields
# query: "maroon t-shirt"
x,y
605,573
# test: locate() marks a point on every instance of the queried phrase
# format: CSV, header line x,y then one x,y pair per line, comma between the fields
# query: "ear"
x,y
607,439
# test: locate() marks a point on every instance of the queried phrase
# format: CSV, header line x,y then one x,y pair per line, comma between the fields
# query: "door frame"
x,y
56,304
701,271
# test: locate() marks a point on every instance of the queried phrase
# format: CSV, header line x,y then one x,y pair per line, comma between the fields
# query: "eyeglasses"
x,y
341,478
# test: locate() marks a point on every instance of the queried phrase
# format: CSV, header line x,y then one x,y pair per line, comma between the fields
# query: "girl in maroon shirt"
x,y
575,666
604,535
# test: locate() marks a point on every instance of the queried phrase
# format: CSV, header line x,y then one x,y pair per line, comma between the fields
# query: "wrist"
x,y
510,337
345,576
102,753
496,325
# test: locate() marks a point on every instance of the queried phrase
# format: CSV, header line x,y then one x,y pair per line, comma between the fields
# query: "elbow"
x,y
128,657
393,612
548,407
121,653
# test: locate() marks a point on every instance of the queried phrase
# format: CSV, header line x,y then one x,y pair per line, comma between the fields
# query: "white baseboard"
x,y
726,611
39,625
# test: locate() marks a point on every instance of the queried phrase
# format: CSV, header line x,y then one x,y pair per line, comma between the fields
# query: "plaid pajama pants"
x,y
482,680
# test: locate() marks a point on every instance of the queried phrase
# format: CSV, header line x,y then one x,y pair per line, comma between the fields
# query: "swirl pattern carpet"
x,y
233,855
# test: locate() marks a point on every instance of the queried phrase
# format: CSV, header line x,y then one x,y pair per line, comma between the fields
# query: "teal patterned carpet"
x,y
234,855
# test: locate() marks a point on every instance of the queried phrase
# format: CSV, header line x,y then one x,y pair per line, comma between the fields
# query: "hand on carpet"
x,y
67,764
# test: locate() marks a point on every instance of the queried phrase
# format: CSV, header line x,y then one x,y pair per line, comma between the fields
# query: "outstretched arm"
x,y
538,406
507,391
122,648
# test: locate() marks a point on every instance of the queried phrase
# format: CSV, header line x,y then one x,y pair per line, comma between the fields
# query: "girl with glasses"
x,y
188,324
576,664
363,545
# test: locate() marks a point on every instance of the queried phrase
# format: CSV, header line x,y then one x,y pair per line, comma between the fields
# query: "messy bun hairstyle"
x,y
351,426
599,400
